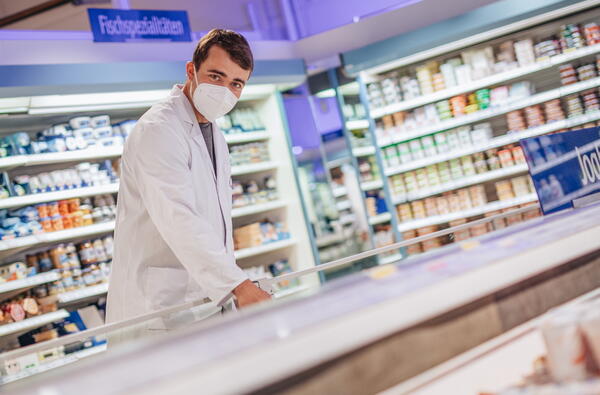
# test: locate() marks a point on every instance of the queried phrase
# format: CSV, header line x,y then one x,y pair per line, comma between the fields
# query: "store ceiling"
x,y
264,16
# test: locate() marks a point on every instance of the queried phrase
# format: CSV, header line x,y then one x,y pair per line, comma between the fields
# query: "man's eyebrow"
x,y
222,74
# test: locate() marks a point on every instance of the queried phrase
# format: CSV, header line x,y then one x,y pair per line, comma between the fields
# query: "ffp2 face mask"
x,y
212,101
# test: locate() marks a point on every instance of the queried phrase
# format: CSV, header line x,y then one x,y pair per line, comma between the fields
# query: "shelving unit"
x,y
325,241
32,323
461,183
257,208
380,218
483,115
253,168
12,288
358,124
496,142
495,79
339,191
343,205
58,195
287,209
356,121
90,154
66,360
544,76
363,151
371,185
56,237
440,219
246,137
263,249
82,294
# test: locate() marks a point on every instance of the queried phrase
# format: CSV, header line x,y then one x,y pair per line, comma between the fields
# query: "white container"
x,y
103,132
447,70
80,122
590,325
524,52
463,74
564,343
100,121
464,136
416,150
404,153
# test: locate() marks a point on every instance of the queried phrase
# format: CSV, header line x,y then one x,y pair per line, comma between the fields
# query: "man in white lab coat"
x,y
173,236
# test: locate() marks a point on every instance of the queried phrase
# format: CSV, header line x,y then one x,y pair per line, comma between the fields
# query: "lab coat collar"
x,y
181,99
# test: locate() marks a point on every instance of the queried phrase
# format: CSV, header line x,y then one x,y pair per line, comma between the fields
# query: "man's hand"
x,y
247,293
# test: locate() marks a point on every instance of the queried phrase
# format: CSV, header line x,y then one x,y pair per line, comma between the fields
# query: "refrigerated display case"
x,y
371,331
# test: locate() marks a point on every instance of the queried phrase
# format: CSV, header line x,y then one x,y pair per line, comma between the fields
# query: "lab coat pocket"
x,y
166,286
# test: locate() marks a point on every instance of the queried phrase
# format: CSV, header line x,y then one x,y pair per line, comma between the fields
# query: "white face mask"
x,y
212,101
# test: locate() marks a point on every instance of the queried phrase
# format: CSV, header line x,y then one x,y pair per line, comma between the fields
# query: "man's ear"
x,y
189,70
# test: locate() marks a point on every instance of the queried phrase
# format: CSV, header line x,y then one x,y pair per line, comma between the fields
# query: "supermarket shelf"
x,y
338,162
441,219
339,191
59,195
291,291
343,205
476,179
32,323
77,232
84,293
380,218
53,237
496,142
16,286
485,82
363,151
357,124
347,219
390,259
257,208
254,251
493,112
246,137
59,157
350,89
370,185
330,240
67,359
253,168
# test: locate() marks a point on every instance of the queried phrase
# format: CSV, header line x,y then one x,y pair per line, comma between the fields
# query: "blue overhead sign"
x,y
564,166
110,25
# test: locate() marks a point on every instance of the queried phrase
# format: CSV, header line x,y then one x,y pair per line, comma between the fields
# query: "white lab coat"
x,y
173,236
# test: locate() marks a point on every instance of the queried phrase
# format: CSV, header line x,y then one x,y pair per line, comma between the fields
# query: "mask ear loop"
x,y
195,80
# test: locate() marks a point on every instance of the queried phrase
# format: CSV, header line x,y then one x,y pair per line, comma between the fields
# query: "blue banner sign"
x,y
110,25
564,166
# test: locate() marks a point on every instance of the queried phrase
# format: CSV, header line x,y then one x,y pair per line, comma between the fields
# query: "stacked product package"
x,y
474,64
79,133
259,233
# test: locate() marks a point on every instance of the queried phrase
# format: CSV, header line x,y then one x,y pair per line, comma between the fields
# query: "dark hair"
x,y
233,43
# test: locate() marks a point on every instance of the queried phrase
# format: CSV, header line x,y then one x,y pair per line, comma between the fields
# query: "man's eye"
x,y
215,77
237,85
